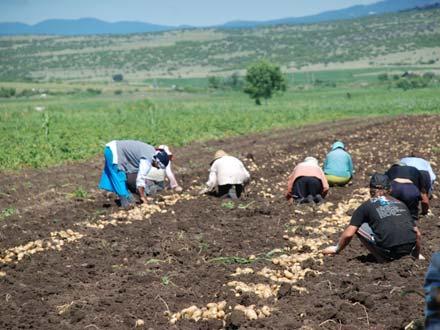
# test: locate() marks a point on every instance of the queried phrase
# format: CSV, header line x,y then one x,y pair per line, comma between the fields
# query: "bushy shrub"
x,y
383,77
118,77
7,92
93,91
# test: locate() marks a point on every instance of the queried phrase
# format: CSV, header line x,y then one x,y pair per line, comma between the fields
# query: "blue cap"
x,y
338,144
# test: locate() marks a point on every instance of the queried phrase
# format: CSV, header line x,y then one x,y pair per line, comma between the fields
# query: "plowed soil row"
x,y
148,264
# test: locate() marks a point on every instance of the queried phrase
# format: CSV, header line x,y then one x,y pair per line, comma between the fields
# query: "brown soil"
x,y
121,272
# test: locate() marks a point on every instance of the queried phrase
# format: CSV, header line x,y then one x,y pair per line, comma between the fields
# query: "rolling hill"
x,y
407,38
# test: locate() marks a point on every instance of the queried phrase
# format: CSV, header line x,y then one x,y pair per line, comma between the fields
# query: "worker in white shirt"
x,y
155,179
227,176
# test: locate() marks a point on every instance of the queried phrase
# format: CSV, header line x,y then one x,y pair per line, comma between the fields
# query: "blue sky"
x,y
168,12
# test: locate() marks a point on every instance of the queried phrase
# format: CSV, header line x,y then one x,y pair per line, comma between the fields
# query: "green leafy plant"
x,y
7,212
80,193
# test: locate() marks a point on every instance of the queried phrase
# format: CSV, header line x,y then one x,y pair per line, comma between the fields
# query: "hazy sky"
x,y
168,12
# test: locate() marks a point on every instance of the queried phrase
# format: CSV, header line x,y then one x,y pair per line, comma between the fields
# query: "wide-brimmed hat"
x,y
218,154
311,160
338,144
380,181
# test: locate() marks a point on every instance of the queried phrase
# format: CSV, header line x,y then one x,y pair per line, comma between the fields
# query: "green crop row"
x,y
39,133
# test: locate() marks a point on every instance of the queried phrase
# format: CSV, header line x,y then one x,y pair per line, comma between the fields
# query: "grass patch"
x,y
7,212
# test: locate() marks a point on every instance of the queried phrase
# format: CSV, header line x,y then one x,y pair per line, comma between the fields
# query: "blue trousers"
x,y
113,179
432,294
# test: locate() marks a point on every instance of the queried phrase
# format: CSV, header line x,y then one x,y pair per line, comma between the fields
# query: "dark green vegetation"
x,y
262,80
207,51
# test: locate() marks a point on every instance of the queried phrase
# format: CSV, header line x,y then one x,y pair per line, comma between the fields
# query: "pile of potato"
x,y
56,241
252,313
290,275
212,311
242,271
263,291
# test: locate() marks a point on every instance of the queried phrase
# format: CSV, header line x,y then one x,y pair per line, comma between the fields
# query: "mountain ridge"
x,y
93,26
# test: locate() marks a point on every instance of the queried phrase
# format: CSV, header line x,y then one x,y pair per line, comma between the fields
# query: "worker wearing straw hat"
x,y
227,176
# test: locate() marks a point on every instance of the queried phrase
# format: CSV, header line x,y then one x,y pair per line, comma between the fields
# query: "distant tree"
x,y
118,77
214,82
383,77
263,79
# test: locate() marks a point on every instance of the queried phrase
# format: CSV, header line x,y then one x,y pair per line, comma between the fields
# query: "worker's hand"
x,y
178,189
331,250
203,191
144,200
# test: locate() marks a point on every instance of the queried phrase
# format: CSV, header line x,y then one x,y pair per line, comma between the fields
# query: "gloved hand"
x,y
330,250
204,191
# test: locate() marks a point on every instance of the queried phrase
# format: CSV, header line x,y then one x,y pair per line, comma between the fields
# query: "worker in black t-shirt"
x,y
408,185
383,224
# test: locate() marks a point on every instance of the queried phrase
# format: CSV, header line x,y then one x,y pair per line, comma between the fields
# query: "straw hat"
x,y
218,154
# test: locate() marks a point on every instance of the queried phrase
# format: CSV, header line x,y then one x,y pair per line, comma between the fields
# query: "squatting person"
x,y
227,176
383,224
307,183
338,165
123,157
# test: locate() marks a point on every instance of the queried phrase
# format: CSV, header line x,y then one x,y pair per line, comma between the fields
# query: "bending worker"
x,y
383,224
408,185
425,169
227,176
338,165
307,183
129,156
155,179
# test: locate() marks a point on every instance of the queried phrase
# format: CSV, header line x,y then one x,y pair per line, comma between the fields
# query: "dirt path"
x,y
70,259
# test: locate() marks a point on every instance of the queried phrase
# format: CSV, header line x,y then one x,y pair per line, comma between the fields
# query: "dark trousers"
x,y
151,187
409,194
305,186
367,237
228,189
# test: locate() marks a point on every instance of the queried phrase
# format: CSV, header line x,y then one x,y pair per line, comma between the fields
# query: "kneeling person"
x,y
307,183
383,224
227,176
338,165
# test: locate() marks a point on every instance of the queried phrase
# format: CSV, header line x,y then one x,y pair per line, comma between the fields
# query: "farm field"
x,y
40,132
71,260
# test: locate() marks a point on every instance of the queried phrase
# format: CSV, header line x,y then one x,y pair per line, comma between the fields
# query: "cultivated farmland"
x,y
70,259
